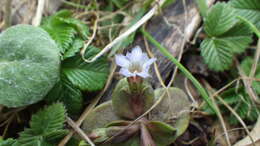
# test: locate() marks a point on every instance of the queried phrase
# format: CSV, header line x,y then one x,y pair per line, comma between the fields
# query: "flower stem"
x,y
196,83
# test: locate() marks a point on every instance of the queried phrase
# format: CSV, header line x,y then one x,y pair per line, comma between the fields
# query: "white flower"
x,y
135,63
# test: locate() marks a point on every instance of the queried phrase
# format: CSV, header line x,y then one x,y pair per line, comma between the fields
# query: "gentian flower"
x,y
135,63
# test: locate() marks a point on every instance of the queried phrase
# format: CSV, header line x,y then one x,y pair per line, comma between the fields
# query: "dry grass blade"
x,y
218,114
79,131
238,118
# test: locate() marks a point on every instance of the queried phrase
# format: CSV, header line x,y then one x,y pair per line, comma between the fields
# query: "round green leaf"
x,y
99,117
173,109
162,133
29,65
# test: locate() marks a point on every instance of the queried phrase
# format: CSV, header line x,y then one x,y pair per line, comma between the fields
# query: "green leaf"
x,y
100,117
44,123
250,25
238,38
65,92
174,104
7,142
220,19
216,53
64,29
249,9
81,28
75,48
86,76
29,65
63,35
162,133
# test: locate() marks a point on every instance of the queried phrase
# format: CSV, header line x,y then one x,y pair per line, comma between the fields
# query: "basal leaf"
x,y
216,53
162,133
86,76
249,9
29,65
219,19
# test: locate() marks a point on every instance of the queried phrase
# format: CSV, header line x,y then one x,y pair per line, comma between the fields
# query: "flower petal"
x,y
147,64
143,74
136,54
145,57
125,72
122,61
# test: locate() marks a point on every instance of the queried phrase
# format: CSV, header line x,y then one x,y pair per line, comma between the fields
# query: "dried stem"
x,y
146,138
8,14
38,17
79,131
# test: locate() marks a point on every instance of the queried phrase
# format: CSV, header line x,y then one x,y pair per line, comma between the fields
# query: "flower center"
x,y
135,67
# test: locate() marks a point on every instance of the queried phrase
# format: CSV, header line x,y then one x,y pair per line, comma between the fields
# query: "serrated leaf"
x,y
29,65
86,76
7,142
216,53
75,48
63,35
237,38
81,28
249,9
220,19
43,123
65,92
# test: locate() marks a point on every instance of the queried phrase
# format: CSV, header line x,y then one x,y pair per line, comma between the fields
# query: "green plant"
x,y
29,65
111,118
227,36
69,33
46,128
76,75
238,98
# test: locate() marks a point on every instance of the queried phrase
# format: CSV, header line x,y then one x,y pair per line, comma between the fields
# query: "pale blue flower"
x,y
135,63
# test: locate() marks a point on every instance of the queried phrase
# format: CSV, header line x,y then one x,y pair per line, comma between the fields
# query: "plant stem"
x,y
196,83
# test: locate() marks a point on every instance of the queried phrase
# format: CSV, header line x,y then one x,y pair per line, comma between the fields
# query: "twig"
x,y
157,72
248,85
132,29
256,59
222,122
8,14
238,118
228,107
90,107
38,17
82,52
79,131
